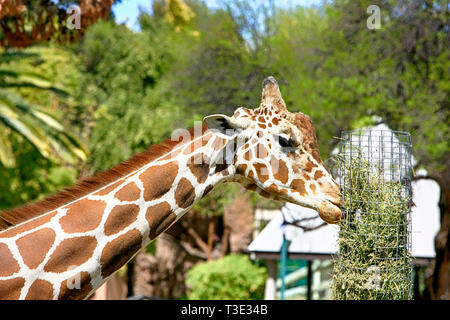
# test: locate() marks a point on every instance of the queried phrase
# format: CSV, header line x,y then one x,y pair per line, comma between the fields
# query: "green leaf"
x,y
6,153
33,134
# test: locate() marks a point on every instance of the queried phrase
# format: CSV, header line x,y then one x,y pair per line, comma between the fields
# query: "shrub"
x,y
232,277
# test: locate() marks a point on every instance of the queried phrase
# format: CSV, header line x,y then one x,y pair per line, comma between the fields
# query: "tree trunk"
x,y
238,219
438,282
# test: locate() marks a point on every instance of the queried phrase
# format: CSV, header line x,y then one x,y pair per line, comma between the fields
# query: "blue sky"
x,y
128,10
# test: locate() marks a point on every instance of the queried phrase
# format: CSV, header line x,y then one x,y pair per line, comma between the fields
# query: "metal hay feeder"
x,y
375,173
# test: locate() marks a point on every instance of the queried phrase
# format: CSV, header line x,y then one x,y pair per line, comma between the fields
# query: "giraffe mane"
x,y
88,185
304,123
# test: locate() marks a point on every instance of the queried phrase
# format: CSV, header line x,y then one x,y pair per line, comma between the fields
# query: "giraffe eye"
x,y
286,143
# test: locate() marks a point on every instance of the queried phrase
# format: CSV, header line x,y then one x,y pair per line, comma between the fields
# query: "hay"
x,y
373,260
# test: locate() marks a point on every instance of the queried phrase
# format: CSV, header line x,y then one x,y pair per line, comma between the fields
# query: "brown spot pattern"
x,y
280,169
261,171
265,194
159,218
241,168
8,265
120,217
309,166
318,174
82,216
10,289
312,187
71,252
218,143
108,189
221,167
199,167
69,291
117,252
275,189
305,125
13,231
172,154
189,148
299,186
248,155
184,194
261,151
34,246
208,190
206,137
40,290
129,192
158,180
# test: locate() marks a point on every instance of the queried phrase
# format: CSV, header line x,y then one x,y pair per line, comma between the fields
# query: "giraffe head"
x,y
276,154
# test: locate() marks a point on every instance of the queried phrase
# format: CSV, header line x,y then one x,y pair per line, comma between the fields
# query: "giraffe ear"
x,y
221,123
224,124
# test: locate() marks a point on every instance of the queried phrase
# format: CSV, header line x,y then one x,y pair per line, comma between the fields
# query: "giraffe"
x,y
68,245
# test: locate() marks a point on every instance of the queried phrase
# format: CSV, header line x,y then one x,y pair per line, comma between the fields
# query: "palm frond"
x,y
22,79
34,123
36,136
6,153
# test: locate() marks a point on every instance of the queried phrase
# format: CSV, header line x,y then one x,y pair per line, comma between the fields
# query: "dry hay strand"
x,y
374,260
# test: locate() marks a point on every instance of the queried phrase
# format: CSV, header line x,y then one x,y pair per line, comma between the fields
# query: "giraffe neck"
x,y
71,251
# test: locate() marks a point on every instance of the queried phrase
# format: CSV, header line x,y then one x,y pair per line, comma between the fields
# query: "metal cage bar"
x,y
375,174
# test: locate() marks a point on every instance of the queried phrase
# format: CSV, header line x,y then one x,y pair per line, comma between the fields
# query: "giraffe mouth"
x,y
330,211
336,203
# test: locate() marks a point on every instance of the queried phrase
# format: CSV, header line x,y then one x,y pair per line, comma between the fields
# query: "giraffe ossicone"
x,y
67,246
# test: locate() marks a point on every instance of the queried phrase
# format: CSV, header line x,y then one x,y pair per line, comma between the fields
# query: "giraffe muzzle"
x,y
330,212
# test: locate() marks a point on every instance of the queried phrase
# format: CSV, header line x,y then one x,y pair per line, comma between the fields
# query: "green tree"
x,y
218,70
344,75
122,86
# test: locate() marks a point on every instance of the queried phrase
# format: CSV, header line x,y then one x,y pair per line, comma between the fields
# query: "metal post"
x,y
309,283
284,247
270,291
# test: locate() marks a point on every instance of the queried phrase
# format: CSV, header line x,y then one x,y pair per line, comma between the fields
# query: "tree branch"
x,y
224,249
305,229
185,246
199,241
